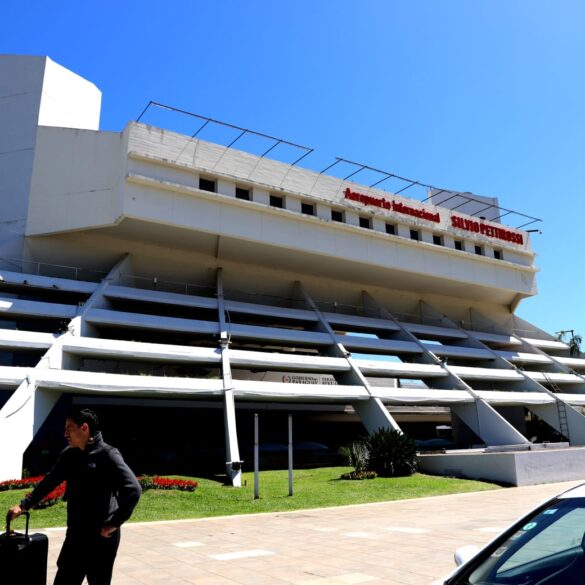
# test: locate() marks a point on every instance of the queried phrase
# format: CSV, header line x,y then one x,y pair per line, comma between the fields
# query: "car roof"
x,y
575,492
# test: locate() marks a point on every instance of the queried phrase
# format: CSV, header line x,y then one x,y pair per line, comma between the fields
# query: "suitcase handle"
x,y
8,520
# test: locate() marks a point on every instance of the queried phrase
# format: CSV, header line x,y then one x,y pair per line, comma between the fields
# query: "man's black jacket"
x,y
101,488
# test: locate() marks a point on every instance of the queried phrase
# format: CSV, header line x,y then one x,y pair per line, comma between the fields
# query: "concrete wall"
x,y
184,153
20,89
515,468
77,180
33,91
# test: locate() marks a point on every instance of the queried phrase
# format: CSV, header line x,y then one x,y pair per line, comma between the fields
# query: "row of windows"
x,y
337,215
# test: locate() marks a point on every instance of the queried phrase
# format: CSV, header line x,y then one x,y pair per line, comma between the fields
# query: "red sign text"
x,y
490,231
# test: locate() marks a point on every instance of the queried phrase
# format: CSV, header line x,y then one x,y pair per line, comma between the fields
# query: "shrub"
x,y
392,454
357,455
359,475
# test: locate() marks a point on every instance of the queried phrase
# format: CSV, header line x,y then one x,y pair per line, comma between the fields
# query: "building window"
x,y
437,240
391,229
307,208
459,245
365,222
498,254
414,235
337,215
276,201
242,193
206,185
479,250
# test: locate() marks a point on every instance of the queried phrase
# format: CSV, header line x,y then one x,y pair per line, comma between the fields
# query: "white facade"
x,y
167,245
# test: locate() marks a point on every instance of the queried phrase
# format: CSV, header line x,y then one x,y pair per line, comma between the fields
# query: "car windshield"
x,y
548,549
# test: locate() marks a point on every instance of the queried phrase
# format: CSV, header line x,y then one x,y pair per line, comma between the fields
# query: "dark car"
x,y
545,547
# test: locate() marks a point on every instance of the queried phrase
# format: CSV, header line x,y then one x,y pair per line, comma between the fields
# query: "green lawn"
x,y
313,488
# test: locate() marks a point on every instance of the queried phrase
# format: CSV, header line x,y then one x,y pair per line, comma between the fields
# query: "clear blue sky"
x,y
486,97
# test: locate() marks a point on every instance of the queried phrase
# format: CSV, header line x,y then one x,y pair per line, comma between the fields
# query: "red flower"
x,y
164,483
20,484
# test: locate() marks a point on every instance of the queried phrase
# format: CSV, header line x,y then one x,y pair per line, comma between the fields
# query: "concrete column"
x,y
378,225
551,414
20,419
226,188
26,410
78,325
323,211
233,463
489,425
479,416
261,196
372,412
352,218
563,417
293,204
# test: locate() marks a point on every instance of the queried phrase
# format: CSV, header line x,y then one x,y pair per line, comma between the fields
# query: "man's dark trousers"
x,y
87,555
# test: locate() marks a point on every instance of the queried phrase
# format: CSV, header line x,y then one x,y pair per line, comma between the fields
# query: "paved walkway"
x,y
406,542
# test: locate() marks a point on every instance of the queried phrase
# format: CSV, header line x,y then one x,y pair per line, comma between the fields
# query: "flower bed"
x,y
53,497
20,484
358,475
164,483
147,482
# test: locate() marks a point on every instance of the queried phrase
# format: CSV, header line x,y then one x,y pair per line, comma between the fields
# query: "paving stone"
x,y
408,542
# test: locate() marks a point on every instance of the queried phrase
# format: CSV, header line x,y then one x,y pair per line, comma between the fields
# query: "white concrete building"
x,y
151,267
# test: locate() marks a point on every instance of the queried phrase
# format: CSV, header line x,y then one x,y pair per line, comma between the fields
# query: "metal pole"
x,y
290,456
256,458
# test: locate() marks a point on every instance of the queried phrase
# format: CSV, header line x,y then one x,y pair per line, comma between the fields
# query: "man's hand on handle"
x,y
14,512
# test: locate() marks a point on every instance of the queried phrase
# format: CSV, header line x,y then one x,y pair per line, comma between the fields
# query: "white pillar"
x,y
372,412
233,464
374,415
488,424
20,419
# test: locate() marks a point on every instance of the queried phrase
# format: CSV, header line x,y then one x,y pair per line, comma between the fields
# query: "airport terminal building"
x,y
180,286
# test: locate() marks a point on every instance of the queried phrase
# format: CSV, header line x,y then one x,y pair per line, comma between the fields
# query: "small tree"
x,y
575,345
574,342
357,455
392,454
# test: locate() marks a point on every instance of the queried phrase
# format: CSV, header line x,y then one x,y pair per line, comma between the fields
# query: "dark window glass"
x,y
390,229
497,254
206,184
242,193
437,240
458,245
276,201
336,215
365,222
308,209
414,235
478,250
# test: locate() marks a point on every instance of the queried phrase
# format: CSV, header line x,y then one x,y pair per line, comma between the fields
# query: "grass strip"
x,y
313,488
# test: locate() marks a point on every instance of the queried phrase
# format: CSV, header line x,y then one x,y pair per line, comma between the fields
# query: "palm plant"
x,y
357,455
392,453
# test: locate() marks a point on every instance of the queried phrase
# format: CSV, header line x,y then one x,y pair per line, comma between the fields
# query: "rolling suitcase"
x,y
23,557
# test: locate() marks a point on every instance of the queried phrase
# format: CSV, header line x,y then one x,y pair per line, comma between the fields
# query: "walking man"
x,y
101,494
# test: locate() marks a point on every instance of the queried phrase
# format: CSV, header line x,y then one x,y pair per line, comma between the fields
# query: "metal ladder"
x,y
561,408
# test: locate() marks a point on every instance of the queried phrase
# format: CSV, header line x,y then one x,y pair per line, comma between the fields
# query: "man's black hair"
x,y
85,415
